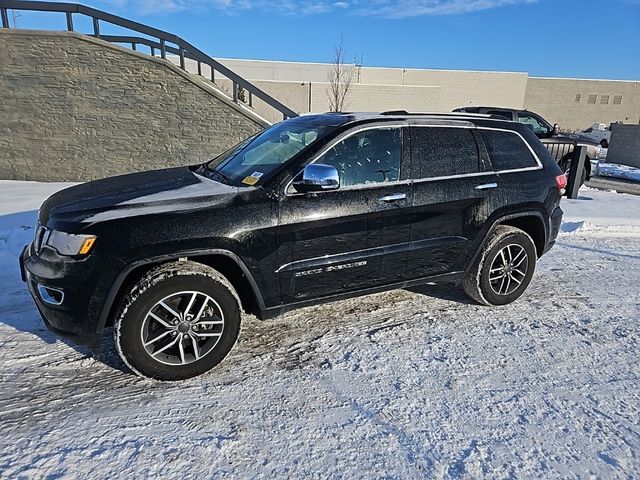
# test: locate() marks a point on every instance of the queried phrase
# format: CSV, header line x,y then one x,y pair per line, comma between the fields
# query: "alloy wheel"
x,y
508,270
182,328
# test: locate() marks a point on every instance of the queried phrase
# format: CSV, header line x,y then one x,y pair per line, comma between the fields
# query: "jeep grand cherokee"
x,y
310,210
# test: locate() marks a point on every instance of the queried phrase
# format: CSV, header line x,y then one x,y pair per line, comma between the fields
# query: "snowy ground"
x,y
402,384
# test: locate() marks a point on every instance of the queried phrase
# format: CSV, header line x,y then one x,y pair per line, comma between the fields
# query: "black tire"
x,y
604,143
174,282
477,282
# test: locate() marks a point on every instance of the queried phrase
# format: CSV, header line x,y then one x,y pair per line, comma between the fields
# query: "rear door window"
x,y
443,152
507,150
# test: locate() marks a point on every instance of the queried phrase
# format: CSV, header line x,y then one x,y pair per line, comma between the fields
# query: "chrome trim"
x,y
317,177
356,255
471,126
393,197
47,297
487,186
537,159
39,239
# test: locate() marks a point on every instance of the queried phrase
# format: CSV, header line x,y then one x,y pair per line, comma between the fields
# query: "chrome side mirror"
x,y
556,129
317,178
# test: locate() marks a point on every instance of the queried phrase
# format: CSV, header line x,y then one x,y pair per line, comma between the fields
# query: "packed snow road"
x,y
403,384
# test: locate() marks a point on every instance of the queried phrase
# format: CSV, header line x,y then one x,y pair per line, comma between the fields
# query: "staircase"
x,y
157,43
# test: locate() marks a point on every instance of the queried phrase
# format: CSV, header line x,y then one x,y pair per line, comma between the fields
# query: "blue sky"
x,y
560,38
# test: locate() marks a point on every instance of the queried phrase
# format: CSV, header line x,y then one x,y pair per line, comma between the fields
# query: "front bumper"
x,y
77,316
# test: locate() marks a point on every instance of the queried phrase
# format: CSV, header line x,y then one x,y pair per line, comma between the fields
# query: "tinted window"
x,y
534,123
370,156
247,163
507,150
502,113
441,152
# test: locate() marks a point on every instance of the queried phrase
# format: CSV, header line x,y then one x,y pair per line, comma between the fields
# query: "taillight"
x,y
561,183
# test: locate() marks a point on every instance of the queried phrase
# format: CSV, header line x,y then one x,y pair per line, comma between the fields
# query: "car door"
x,y
453,185
510,155
348,239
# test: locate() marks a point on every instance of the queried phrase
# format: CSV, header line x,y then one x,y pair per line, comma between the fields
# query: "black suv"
x,y
313,209
549,135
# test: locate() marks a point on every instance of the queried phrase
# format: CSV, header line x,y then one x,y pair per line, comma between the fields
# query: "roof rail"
x,y
440,114
158,42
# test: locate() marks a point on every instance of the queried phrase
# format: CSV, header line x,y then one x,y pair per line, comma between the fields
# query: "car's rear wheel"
x,y
503,270
179,321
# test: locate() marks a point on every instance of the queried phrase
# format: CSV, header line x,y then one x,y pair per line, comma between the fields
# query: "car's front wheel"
x,y
180,320
504,268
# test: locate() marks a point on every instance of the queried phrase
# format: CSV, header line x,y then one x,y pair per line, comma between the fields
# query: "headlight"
x,y
71,244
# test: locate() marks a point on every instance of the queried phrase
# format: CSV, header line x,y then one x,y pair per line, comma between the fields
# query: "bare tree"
x,y
341,77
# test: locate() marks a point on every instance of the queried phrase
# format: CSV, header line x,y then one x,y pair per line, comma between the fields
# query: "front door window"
x,y
369,156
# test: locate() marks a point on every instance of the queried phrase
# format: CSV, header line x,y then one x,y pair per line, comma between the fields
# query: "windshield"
x,y
258,156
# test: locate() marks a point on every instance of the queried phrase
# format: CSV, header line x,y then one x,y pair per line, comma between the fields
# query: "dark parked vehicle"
x,y
548,135
313,209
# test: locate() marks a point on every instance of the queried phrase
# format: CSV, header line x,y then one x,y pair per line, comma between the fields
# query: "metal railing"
x,y
559,150
165,43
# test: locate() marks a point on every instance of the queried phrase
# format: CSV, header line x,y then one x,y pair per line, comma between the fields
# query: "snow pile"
x,y
415,383
619,171
600,211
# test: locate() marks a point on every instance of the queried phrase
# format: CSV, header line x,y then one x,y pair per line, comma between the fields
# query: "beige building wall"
x,y
302,87
456,88
578,104
379,98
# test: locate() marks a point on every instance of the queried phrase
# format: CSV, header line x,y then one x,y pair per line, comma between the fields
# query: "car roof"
x,y
344,118
484,108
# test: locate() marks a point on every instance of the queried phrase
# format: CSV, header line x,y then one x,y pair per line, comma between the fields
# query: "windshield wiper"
x,y
217,174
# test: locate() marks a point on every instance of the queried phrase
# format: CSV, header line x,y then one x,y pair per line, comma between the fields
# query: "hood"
x,y
157,191
580,139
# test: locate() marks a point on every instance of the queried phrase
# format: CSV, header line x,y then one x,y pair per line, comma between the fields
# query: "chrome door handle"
x,y
486,186
392,197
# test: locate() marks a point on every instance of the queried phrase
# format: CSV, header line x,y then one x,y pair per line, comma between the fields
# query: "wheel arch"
x,y
531,224
226,262
530,221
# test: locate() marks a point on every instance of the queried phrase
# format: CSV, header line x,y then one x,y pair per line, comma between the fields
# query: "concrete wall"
x,y
76,108
625,145
557,100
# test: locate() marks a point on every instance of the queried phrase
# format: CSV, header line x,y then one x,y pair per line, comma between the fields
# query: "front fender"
x,y
121,278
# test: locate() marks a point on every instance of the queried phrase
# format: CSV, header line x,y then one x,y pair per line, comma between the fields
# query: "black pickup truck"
x,y
560,145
